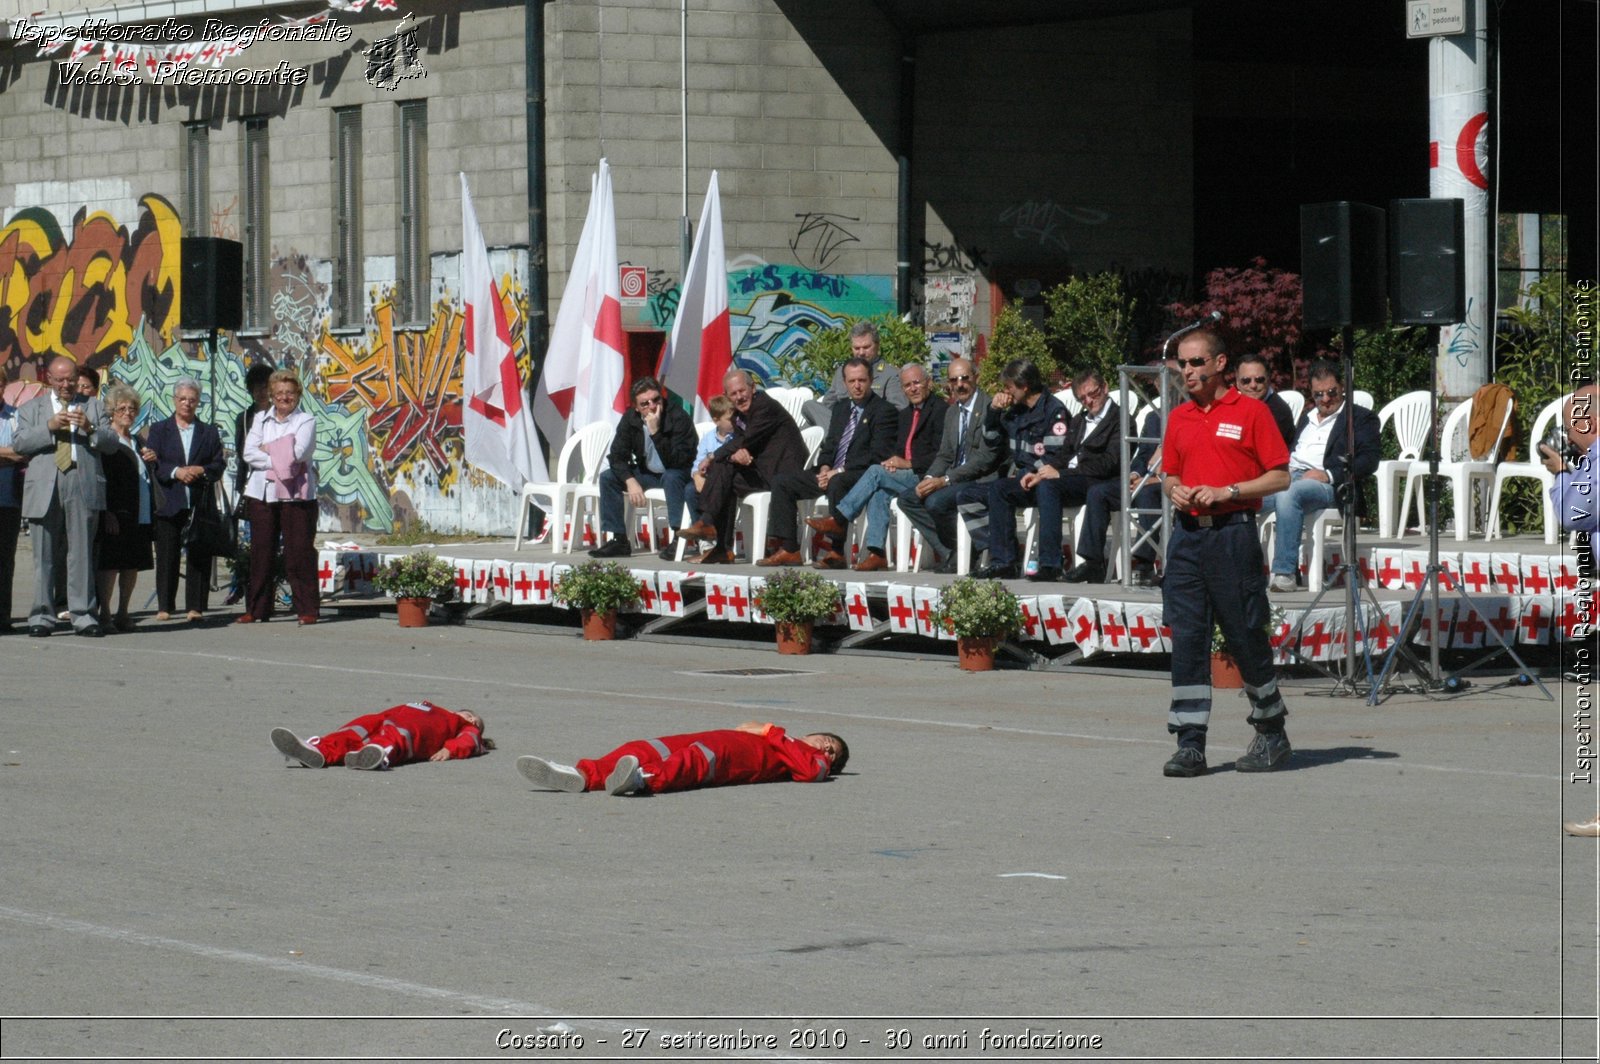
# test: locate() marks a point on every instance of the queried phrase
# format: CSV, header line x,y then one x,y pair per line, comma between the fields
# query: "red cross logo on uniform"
x,y
1143,631
1112,629
1507,577
1475,578
522,585
1535,582
900,612
858,610
739,603
669,595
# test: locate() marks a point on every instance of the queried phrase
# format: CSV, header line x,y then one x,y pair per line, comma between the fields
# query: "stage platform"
x,y
1528,591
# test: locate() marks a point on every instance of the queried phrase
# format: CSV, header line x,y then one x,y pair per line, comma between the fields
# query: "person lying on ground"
x,y
414,731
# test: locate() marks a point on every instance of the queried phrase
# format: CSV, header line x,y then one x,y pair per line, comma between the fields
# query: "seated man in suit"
x,y
885,379
1320,473
962,459
766,444
861,432
1253,378
921,428
653,448
1057,462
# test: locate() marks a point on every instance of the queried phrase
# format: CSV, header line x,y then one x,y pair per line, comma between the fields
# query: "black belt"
x,y
1233,517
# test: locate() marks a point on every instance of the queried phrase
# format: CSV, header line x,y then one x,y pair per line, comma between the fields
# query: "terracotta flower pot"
x,y
1225,671
794,637
597,625
976,653
413,611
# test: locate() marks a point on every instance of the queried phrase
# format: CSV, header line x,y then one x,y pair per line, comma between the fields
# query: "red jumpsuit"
x,y
713,759
414,731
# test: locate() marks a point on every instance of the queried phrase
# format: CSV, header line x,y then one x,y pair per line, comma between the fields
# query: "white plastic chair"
x,y
792,399
1409,413
1295,401
552,493
1363,398
1070,400
1531,469
1462,472
1319,527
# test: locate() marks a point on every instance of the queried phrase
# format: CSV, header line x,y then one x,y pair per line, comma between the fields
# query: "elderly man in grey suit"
x,y
962,458
63,435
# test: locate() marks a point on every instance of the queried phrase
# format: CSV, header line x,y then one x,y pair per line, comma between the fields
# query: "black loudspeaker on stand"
x,y
212,297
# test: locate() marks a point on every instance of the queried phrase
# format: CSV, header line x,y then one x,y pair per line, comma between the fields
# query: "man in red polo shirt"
x,y
1222,454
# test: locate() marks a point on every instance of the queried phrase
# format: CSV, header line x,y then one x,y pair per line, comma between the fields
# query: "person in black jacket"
x,y
916,446
766,444
861,432
1319,469
189,459
653,448
1067,459
1253,378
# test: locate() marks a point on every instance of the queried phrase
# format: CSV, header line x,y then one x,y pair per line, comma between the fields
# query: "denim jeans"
x,y
613,493
1302,498
872,493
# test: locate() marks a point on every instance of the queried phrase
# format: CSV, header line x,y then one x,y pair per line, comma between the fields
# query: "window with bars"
x,y
348,308
256,210
412,268
196,179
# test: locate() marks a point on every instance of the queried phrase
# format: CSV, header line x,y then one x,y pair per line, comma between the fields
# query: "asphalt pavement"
x,y
1002,872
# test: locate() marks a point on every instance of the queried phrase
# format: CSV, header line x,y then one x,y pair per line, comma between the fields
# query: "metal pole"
x,y
537,334
685,232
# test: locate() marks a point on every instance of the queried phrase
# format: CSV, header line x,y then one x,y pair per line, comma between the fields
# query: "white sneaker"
x,y
1283,582
626,777
371,756
551,776
294,748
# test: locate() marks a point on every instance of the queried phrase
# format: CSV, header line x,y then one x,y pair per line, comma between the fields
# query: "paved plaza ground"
x,y
1002,853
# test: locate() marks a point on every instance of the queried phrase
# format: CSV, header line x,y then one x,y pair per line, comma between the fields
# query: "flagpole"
x,y
685,238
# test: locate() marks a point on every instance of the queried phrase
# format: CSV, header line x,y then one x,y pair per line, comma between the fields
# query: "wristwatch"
x,y
1233,493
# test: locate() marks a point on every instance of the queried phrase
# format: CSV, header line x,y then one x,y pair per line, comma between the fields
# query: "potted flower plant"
x,y
415,581
981,613
796,599
598,590
1224,669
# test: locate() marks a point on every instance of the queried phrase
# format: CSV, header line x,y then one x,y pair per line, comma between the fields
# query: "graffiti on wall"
x,y
87,296
386,399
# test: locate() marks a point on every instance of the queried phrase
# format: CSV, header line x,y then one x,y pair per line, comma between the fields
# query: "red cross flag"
x,y
855,606
700,351
1533,626
1507,572
327,568
649,598
902,601
522,583
495,420
668,596
1082,628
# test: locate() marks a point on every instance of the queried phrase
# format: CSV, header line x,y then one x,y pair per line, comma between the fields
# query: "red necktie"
x,y
916,413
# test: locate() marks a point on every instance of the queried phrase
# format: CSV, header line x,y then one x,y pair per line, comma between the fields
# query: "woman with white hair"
x,y
189,461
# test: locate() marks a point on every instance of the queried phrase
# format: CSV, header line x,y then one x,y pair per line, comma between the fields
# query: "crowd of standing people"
x,y
106,499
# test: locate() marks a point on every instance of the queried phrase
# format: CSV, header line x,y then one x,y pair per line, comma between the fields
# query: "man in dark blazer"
x,y
861,432
653,448
916,445
63,435
1087,457
962,458
1320,471
885,378
1253,377
186,469
766,444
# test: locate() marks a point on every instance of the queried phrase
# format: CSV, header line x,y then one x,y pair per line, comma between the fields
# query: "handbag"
x,y
208,533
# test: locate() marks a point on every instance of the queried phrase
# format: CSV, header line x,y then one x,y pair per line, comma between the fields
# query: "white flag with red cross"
x,y
649,599
522,583
1083,626
856,608
902,600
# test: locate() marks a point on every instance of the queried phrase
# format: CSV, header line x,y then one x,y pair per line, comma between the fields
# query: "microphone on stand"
x,y
1209,319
